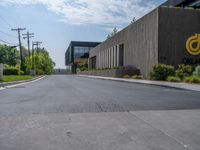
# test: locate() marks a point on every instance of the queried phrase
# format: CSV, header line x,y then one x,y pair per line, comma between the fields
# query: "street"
x,y
76,113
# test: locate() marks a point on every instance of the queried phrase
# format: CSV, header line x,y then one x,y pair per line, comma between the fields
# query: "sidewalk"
x,y
185,86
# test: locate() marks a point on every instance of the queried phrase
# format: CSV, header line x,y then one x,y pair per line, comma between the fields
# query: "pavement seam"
x,y
165,133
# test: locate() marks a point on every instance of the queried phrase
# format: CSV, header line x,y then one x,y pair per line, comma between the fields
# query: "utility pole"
x,y
37,43
28,36
20,47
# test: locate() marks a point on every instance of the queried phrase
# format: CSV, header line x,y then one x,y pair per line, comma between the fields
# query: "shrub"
x,y
126,76
173,79
192,79
197,71
10,70
162,71
183,71
20,72
39,72
137,77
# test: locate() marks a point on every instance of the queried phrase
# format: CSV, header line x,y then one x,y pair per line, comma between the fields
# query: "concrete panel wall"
x,y
140,43
175,27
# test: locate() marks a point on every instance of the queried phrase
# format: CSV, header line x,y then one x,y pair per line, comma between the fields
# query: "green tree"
x,y
9,55
43,62
112,33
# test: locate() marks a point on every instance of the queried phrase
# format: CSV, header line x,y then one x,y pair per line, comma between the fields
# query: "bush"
x,y
20,72
197,71
10,70
162,71
192,79
39,72
126,76
137,77
183,71
173,79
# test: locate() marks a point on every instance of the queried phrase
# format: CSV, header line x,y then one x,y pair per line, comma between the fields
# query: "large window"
x,y
81,52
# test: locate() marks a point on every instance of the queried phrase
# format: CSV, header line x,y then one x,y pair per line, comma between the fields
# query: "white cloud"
x,y
107,13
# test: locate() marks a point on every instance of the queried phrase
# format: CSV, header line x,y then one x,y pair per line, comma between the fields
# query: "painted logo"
x,y
193,45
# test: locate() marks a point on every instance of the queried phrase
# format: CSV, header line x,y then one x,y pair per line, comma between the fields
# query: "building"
x,y
169,35
183,3
78,53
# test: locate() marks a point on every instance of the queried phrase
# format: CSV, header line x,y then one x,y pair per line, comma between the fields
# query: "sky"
x,y
57,22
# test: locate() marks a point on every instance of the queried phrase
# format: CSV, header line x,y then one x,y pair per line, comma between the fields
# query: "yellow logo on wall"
x,y
193,45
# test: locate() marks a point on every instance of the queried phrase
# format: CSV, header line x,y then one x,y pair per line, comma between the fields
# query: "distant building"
x,y
78,53
169,35
183,3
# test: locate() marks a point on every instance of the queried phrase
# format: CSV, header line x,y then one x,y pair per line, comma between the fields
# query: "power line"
x,y
5,21
11,16
7,42
8,34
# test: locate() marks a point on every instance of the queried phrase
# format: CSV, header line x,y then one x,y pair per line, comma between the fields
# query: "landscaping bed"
x,y
118,73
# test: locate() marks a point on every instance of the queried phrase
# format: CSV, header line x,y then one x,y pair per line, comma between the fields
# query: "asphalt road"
x,y
69,94
69,112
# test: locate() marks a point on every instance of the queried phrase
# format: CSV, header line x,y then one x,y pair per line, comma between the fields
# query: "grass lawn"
x,y
12,78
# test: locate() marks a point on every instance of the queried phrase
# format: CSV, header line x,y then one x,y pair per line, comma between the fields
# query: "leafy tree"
x,y
25,52
43,63
9,55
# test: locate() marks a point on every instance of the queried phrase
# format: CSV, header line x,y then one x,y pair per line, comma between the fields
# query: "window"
x,y
81,52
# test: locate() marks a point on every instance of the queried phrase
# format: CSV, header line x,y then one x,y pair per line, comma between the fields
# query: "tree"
x,y
9,55
133,20
112,33
43,63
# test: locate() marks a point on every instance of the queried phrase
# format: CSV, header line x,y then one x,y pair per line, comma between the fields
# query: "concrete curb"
x,y
183,86
20,82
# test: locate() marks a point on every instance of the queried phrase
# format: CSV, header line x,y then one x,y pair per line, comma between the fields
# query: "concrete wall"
x,y
158,37
175,27
140,43
1,71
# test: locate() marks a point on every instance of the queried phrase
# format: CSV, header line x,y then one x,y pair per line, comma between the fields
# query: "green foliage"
x,y
184,70
197,71
173,79
20,72
43,63
137,77
162,71
9,55
112,33
82,67
192,79
126,76
11,78
10,70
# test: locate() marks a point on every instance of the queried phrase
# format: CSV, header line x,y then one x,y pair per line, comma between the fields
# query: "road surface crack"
x,y
165,133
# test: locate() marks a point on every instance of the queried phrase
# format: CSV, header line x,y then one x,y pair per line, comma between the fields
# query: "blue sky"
x,y
57,22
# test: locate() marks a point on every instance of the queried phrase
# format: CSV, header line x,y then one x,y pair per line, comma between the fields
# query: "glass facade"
x,y
81,52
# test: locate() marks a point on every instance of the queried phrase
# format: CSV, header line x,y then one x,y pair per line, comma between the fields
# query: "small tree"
x,y
112,33
134,20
